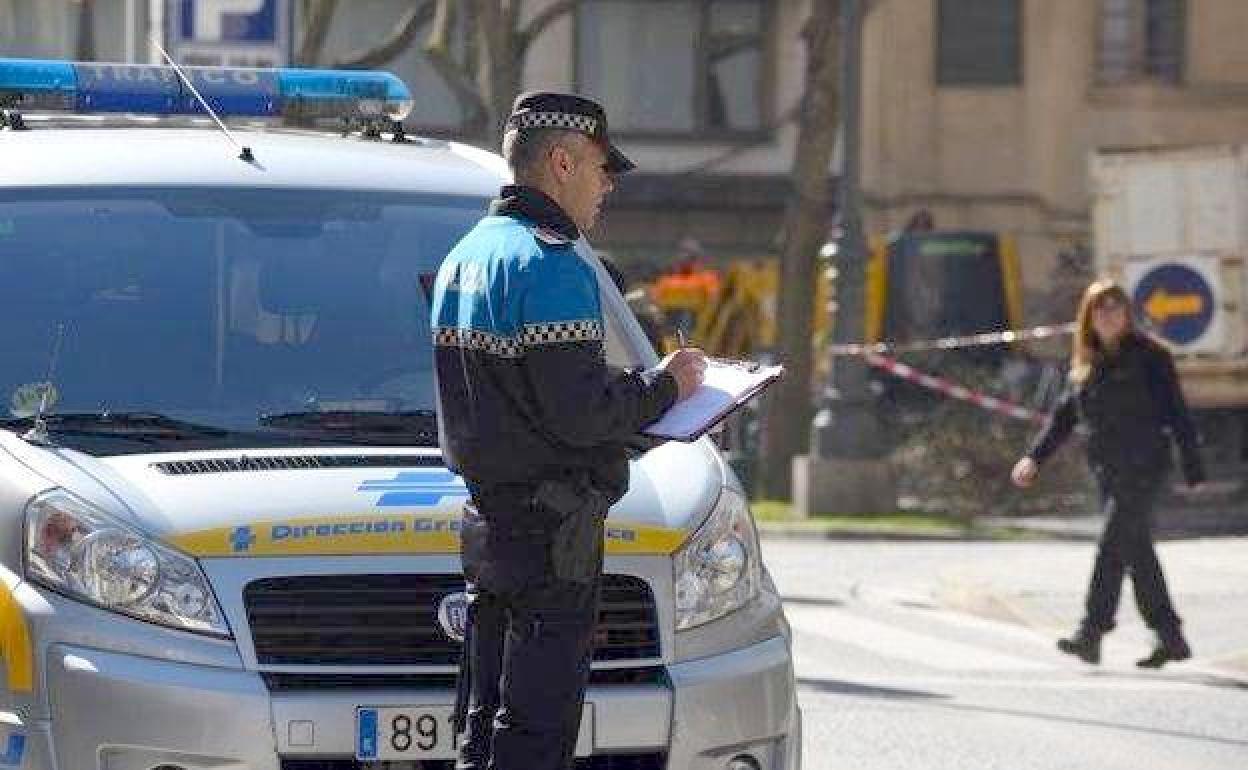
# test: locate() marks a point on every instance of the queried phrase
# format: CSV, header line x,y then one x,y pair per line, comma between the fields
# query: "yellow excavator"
x,y
918,286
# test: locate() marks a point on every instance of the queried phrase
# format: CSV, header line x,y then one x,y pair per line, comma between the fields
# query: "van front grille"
x,y
363,620
280,681
244,463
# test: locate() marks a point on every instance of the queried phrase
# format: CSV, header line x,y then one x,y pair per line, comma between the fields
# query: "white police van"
x,y
228,538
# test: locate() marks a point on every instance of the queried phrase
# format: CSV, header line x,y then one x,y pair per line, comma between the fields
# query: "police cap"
x,y
546,109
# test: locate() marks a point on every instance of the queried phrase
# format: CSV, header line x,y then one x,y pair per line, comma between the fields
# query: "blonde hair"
x,y
1087,350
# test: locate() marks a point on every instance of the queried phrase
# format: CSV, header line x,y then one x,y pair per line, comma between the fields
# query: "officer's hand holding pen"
x,y
687,366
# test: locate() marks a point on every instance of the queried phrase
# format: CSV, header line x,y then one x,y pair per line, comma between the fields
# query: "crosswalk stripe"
x,y
901,644
1071,680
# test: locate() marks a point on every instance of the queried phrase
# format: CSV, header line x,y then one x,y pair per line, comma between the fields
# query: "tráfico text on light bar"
x,y
91,87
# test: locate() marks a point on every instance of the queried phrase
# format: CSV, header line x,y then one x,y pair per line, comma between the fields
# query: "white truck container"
x,y
1171,224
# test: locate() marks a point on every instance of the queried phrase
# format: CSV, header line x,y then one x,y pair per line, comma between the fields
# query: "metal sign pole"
x,y
847,424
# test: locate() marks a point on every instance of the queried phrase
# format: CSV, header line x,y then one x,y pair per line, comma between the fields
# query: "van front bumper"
x,y
113,711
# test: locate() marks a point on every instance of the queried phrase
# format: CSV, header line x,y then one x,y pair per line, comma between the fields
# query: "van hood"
x,y
335,502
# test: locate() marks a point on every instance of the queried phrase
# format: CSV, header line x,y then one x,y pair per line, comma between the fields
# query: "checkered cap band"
x,y
566,120
563,331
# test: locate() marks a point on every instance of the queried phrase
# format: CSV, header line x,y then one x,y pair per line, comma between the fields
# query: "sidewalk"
x,y
869,528
774,521
1171,525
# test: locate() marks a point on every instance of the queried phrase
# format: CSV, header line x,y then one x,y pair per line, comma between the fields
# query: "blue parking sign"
x,y
218,33
229,21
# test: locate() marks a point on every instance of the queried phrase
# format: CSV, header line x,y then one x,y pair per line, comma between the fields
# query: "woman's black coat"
x,y
1132,407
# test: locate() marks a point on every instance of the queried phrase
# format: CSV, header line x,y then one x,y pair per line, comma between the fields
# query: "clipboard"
x,y
726,385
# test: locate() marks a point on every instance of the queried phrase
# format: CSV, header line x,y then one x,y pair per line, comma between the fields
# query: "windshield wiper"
x,y
419,426
139,426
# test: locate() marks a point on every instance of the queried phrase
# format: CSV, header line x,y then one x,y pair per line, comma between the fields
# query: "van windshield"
x,y
220,306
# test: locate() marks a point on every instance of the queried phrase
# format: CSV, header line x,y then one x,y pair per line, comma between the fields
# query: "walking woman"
x,y
1125,392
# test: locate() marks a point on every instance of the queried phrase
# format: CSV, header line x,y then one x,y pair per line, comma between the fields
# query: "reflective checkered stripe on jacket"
x,y
514,347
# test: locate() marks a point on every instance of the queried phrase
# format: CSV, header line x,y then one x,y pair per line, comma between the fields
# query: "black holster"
x,y
576,549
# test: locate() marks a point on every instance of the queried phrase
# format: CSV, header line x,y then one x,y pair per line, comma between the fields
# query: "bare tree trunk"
x,y
500,76
86,31
318,15
458,75
504,46
790,409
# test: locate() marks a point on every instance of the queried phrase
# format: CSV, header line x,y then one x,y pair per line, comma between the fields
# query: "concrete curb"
x,y
1050,530
767,532
771,531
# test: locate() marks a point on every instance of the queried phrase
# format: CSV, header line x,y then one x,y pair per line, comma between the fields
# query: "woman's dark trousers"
x,y
1127,546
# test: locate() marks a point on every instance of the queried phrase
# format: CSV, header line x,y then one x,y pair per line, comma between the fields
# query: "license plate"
x,y
425,732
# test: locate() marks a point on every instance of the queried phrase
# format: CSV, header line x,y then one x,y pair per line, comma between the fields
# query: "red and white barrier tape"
x,y
953,389
953,343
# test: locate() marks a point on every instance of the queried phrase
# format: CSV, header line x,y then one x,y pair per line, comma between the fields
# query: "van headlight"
x,y
720,569
75,549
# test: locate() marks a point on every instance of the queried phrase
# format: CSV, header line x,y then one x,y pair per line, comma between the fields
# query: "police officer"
x,y
1125,391
538,425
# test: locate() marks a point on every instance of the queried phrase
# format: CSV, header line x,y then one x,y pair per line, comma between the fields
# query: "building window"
x,y
1141,40
39,29
674,66
979,43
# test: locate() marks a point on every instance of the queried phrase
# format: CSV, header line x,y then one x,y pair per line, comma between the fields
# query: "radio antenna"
x,y
38,433
244,152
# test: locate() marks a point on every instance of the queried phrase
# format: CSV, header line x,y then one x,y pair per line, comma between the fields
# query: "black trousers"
x,y
529,648
1126,546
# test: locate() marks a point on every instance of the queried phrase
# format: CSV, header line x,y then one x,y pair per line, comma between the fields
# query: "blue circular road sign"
x,y
1177,301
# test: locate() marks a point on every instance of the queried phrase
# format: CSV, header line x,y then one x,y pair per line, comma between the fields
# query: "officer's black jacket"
x,y
1132,406
524,391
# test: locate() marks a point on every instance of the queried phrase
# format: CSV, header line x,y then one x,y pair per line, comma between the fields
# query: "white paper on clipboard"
x,y
725,386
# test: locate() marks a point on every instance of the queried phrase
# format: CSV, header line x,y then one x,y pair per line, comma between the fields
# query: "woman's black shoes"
x,y
1086,646
1170,648
1083,645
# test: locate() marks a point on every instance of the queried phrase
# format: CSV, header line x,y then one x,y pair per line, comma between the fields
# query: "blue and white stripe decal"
x,y
416,489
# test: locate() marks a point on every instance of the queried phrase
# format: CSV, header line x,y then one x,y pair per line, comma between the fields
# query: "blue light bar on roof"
x,y
231,91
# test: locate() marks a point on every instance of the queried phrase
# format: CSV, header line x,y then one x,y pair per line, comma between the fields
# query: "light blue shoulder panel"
x,y
502,289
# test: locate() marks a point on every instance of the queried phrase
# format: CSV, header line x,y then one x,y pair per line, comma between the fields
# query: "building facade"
x,y
983,112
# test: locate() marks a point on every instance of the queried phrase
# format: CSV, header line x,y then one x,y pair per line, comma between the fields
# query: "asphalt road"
x,y
940,656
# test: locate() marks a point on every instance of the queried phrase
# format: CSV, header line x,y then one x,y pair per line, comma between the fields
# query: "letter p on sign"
x,y
209,16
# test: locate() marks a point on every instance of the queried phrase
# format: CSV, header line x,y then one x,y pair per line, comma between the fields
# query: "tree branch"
x,y
549,15
726,45
320,17
400,39
740,148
